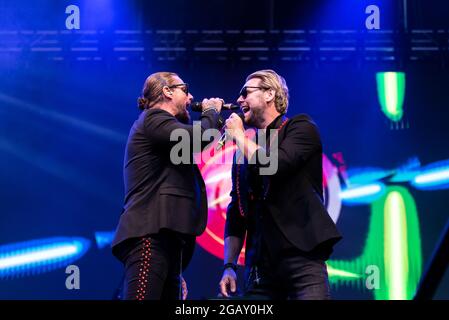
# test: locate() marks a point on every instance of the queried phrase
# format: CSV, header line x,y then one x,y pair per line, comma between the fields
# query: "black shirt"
x,y
284,211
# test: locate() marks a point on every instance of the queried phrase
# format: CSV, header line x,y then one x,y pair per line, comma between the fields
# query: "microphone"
x,y
223,137
198,106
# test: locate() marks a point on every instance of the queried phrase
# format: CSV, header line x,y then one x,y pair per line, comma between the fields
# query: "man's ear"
x,y
167,92
269,94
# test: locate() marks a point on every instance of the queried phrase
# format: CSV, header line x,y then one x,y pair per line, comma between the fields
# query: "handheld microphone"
x,y
198,106
223,137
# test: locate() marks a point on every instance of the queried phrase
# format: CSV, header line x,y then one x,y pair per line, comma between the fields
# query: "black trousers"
x,y
292,274
153,267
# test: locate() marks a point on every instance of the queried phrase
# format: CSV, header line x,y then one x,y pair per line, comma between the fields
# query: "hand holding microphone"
x,y
234,124
207,103
233,127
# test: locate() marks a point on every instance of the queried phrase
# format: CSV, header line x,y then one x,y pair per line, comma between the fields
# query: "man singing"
x,y
165,205
289,234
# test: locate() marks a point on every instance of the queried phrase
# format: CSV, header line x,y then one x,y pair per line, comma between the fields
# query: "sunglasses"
x,y
244,92
183,86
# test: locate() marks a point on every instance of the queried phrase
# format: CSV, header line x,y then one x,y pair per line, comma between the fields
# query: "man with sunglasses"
x,y
165,205
289,234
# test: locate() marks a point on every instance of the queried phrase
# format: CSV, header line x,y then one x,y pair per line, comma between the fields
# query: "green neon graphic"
x,y
396,261
390,91
393,245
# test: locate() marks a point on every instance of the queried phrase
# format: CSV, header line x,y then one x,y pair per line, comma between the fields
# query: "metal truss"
x,y
308,46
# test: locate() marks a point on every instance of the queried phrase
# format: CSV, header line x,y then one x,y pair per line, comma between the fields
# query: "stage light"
x,y
334,273
407,171
432,177
395,235
366,175
390,91
364,194
62,118
36,256
104,238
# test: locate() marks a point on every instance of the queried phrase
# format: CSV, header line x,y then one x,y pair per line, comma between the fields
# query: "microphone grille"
x,y
196,106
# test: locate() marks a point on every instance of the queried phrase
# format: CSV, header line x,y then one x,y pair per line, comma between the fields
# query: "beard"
x,y
183,115
255,117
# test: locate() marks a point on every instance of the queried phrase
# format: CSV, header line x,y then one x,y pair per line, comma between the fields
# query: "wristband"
x,y
210,108
231,265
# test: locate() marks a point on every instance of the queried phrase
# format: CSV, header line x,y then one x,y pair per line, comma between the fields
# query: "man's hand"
x,y
228,282
184,288
216,103
234,126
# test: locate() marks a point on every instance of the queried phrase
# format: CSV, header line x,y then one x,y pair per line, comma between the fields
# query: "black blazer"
x,y
160,194
295,192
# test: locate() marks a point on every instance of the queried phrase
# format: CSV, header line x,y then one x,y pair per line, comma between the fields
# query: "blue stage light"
x,y
37,256
104,238
366,175
362,194
433,176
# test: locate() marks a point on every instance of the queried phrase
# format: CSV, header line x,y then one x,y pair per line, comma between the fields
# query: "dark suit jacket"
x,y
294,199
160,194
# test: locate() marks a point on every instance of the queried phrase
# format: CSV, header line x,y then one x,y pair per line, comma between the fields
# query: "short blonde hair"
x,y
152,89
269,79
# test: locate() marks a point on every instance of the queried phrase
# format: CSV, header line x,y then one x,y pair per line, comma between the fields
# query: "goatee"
x,y
183,117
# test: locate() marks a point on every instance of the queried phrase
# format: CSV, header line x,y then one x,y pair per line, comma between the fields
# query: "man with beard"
x,y
289,233
165,205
